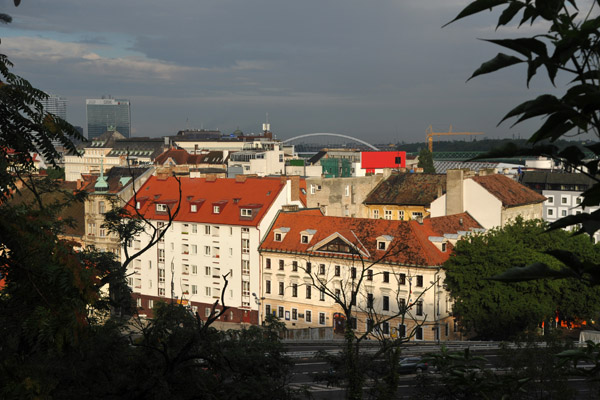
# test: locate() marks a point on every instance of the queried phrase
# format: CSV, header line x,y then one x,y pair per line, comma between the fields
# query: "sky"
x,y
382,71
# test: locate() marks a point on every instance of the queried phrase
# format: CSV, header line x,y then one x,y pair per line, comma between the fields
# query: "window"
x,y
322,295
138,302
419,333
267,309
308,292
161,291
161,255
564,200
308,267
207,312
194,249
194,289
294,314
578,200
370,275
294,290
150,303
207,229
149,264
294,266
353,322
337,270
308,316
216,209
280,311
246,212
369,325
194,270
401,215
338,293
101,207
353,272
387,214
550,200
417,215
281,289
386,328
245,288
268,287
207,271
304,239
376,214
277,237
161,208
281,264
369,300
268,263
402,279
419,280
419,308
194,228
401,330
245,267
207,250
381,245
447,329
563,213
386,276
321,318
207,290
444,247
347,190
321,269
244,230
193,208
102,232
245,246
161,275
386,303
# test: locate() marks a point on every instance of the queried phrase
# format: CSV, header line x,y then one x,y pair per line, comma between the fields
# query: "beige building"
x,y
391,270
404,196
491,199
341,197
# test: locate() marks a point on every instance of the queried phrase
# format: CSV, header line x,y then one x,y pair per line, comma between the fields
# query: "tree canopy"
x,y
499,311
426,161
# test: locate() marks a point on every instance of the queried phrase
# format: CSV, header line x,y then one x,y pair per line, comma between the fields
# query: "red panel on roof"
x,y
382,159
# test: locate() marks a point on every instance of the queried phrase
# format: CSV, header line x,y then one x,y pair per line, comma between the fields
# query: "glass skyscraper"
x,y
107,114
55,105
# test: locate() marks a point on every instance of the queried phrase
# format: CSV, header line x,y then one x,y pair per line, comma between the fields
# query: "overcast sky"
x,y
381,70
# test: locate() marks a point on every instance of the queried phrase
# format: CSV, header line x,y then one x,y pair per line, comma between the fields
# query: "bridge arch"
x,y
331,134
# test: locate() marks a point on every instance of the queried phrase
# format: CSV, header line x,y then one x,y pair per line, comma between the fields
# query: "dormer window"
x,y
216,209
279,233
304,239
381,245
278,237
383,242
444,247
246,212
193,208
161,208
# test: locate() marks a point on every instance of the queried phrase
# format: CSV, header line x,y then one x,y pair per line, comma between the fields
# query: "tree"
x,y
426,161
497,311
570,47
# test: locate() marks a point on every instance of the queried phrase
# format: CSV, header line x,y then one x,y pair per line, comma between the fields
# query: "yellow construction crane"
x,y
430,134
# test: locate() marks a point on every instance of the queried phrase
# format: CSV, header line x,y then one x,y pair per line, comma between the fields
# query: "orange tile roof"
x,y
230,195
410,244
509,192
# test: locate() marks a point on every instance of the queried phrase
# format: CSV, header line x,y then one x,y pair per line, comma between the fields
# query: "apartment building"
x,y
209,252
308,259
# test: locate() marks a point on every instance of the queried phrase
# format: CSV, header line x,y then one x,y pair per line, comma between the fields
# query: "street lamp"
x,y
257,300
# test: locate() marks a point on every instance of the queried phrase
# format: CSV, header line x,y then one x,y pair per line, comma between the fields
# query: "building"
x,y
106,191
108,150
308,258
210,251
562,191
492,199
405,196
56,105
107,115
341,197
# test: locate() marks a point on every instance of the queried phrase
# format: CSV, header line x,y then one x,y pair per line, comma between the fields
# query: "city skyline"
x,y
381,72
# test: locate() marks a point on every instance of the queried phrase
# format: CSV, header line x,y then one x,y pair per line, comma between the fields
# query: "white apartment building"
x,y
210,251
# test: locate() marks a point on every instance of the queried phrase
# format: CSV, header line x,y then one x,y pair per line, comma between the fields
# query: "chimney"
x,y
289,207
454,191
295,181
195,149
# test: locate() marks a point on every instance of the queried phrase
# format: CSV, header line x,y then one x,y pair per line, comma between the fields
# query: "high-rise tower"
x,y
107,114
55,105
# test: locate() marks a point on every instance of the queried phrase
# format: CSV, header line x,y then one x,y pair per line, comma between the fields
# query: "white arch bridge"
x,y
332,134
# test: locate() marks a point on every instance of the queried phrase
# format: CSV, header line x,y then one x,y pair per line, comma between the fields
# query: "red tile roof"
x,y
230,195
410,244
509,192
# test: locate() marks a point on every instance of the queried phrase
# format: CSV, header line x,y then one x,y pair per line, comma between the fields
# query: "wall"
x,y
341,197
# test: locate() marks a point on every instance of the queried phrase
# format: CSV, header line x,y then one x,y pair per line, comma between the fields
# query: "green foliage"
x,y
495,310
426,161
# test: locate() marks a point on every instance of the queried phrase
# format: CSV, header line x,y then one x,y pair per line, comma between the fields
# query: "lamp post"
x,y
258,303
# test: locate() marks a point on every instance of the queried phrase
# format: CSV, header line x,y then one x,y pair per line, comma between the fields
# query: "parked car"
x,y
411,365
